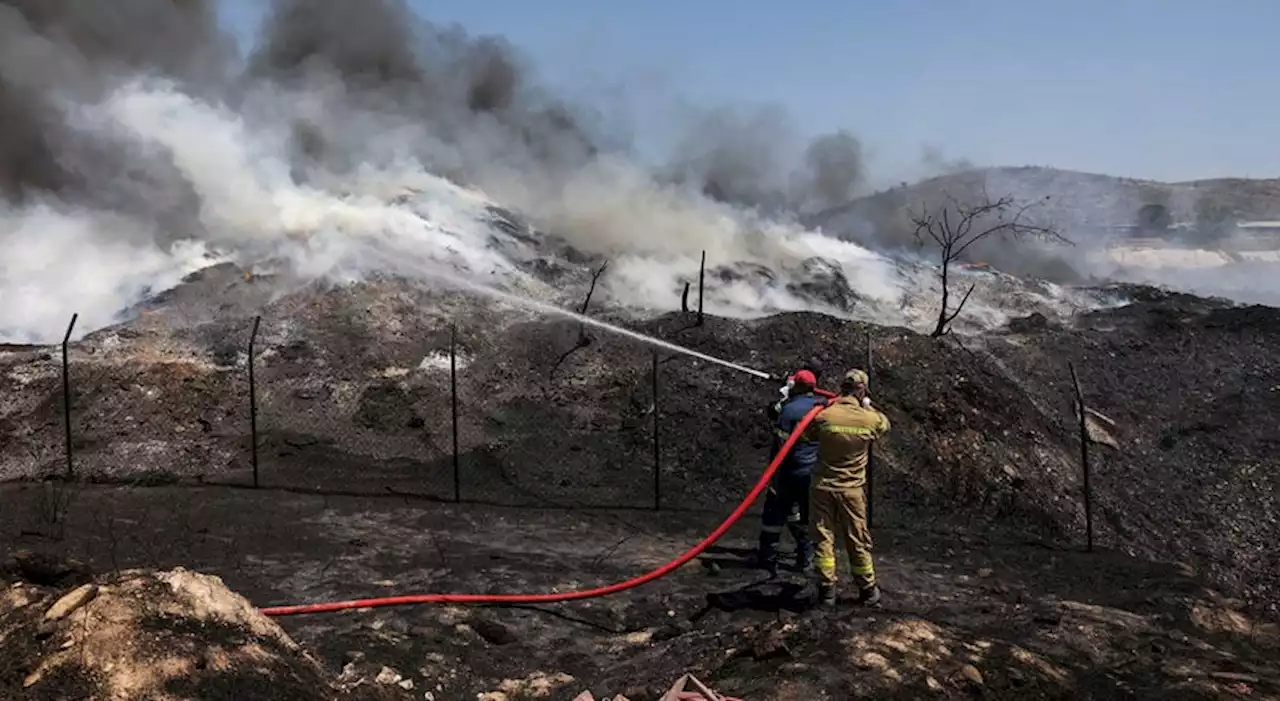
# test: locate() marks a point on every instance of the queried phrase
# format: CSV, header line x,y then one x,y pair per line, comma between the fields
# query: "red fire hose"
x,y
548,598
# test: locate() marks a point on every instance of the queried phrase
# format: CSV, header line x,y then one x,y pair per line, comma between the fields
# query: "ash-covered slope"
x,y
1194,388
354,396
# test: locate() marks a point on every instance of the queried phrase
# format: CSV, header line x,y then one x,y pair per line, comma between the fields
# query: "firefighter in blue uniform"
x,y
786,505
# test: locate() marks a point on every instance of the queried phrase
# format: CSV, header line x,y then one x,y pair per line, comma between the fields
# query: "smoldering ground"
x,y
141,128
139,145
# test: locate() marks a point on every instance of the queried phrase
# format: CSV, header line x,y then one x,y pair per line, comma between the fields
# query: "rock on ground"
x,y
151,635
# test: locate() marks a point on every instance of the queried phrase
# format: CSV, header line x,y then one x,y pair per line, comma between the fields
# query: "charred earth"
x,y
353,395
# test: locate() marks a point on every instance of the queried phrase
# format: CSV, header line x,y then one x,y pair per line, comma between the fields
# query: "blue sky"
x,y
1165,89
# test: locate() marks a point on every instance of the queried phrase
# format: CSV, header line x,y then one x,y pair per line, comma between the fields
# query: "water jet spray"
x,y
602,325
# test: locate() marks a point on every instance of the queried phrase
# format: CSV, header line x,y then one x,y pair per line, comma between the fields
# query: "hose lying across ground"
x,y
556,597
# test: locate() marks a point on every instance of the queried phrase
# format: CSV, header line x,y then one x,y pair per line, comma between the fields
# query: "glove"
x,y
866,402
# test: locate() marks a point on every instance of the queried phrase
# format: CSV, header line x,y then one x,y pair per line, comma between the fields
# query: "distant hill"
x,y
1086,207
1076,200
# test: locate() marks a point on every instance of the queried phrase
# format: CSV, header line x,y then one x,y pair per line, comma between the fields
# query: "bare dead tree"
x,y
958,226
584,339
595,278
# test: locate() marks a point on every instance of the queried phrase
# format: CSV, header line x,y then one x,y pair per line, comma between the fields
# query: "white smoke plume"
x,y
362,141
131,168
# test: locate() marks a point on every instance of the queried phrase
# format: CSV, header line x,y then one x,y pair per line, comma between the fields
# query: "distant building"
x,y
1259,228
1250,242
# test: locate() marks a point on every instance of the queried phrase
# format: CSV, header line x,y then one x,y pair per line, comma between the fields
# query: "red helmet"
x,y
805,377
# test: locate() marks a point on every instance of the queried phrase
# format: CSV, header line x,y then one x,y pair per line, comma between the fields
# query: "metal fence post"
x,y
253,402
1084,459
702,275
871,461
657,445
453,394
66,395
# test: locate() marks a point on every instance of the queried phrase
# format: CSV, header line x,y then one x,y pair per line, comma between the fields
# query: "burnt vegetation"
x,y
363,440
985,449
958,226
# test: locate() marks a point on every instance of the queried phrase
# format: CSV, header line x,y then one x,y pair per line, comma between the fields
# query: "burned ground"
x,y
964,613
1194,388
353,395
354,398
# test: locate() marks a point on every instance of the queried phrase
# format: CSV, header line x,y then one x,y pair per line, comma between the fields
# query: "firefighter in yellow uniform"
x,y
837,501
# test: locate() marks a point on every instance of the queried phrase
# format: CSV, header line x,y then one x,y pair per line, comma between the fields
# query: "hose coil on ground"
x,y
546,598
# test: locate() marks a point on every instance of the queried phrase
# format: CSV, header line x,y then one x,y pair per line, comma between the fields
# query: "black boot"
x,y
770,566
767,553
826,594
804,557
869,596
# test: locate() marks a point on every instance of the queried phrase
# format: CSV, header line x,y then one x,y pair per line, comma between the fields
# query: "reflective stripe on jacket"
x,y
843,433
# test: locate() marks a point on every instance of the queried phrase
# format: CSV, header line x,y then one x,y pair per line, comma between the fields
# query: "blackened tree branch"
x,y
584,340
960,225
595,278
956,313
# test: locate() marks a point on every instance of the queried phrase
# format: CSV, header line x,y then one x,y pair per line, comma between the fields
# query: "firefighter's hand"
x,y
866,402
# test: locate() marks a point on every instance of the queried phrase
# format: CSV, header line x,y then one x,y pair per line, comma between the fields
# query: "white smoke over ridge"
x,y
361,141
55,262
59,260
387,216
343,152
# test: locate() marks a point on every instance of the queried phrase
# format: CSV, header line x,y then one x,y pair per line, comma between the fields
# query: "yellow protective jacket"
x,y
844,432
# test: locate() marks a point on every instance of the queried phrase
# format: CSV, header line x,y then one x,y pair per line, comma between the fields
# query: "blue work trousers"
x,y
786,506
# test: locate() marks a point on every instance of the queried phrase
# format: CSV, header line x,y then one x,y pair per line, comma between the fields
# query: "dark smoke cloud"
x,y
832,172
176,38
754,159
735,156
366,44
494,76
384,68
58,52
473,94
26,157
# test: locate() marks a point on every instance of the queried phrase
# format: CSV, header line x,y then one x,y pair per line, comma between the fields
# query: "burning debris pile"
x,y
481,248
414,152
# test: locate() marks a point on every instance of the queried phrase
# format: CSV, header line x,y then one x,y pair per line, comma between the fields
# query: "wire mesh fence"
x,y
281,411
447,412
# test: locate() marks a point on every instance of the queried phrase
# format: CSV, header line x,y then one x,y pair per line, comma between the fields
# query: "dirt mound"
x,y
1193,387
149,635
